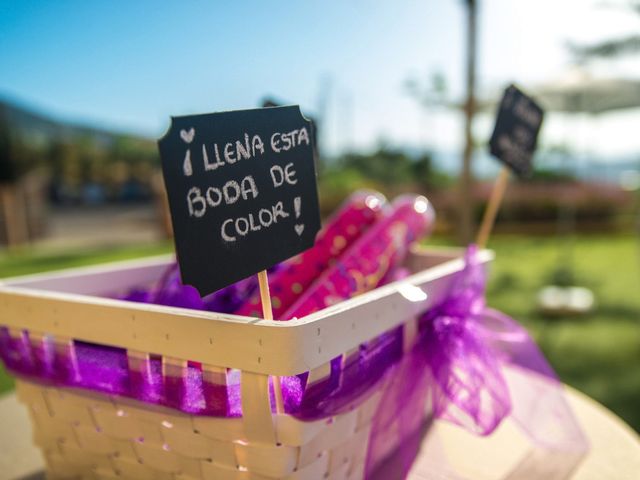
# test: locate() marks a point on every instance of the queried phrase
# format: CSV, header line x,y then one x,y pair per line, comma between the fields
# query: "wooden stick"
x,y
267,314
492,207
265,297
15,222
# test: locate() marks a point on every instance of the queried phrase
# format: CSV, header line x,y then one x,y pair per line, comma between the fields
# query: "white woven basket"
x,y
85,434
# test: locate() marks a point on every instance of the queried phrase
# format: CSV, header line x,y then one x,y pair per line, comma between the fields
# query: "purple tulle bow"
x,y
458,345
475,366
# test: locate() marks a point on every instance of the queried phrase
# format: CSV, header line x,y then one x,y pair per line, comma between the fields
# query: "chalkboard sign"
x,y
516,132
242,192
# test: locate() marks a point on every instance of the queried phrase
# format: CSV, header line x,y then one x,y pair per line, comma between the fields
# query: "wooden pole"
x,y
14,217
267,314
492,207
466,177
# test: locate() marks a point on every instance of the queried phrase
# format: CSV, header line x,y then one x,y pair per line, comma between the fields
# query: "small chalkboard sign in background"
x,y
513,142
515,135
242,192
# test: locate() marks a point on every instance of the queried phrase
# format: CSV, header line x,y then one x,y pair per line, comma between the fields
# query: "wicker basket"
x,y
84,434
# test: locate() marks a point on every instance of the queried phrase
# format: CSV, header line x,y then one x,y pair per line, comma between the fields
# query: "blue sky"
x,y
130,65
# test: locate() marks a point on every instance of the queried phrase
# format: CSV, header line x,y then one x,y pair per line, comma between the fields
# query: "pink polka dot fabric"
x,y
356,215
365,264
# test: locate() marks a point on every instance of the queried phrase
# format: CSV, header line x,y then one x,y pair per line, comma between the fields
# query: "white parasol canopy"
x,y
577,91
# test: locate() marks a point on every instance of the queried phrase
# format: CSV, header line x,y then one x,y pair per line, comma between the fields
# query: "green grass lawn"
x,y
598,354
30,261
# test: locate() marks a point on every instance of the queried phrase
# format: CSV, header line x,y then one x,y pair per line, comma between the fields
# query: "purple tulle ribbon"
x,y
171,292
475,366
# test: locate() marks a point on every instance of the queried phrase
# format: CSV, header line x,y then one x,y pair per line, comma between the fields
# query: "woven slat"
x,y
294,432
86,435
256,409
222,429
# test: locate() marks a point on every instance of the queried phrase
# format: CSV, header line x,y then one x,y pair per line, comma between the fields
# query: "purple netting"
x,y
475,366
171,292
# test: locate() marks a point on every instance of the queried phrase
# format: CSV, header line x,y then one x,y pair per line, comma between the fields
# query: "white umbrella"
x,y
577,91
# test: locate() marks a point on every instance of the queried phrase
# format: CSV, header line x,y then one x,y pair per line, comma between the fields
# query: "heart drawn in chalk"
x,y
187,136
299,228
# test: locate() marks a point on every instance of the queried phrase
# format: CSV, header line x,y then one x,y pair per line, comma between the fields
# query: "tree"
x,y
465,222
438,89
386,166
615,47
431,94
8,170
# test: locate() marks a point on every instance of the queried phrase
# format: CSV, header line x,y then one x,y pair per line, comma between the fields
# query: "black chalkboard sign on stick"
x,y
242,195
513,142
242,192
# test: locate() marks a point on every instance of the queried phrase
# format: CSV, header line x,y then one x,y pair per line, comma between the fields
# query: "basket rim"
x,y
232,341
